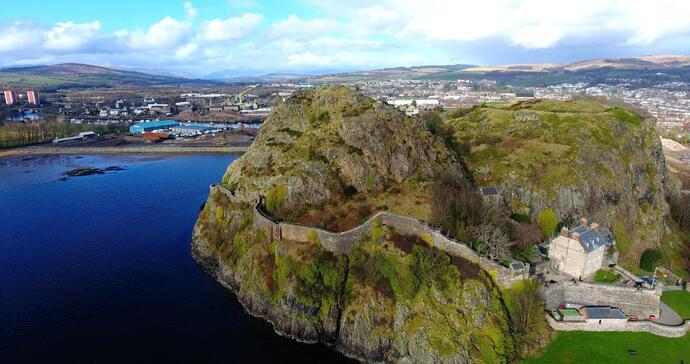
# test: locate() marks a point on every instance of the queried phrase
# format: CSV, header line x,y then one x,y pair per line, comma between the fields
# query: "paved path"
x,y
668,316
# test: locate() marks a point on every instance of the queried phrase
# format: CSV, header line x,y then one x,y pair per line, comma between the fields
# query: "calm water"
x,y
98,268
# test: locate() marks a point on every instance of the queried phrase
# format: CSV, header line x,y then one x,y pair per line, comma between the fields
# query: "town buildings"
x,y
32,98
10,97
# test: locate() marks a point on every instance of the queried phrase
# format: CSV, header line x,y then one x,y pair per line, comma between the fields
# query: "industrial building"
x,y
191,129
159,108
150,126
82,135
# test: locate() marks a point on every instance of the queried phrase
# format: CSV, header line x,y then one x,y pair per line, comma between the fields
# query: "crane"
x,y
241,94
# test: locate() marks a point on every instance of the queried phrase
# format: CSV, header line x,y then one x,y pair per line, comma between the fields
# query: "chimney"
x,y
584,222
576,236
564,231
594,226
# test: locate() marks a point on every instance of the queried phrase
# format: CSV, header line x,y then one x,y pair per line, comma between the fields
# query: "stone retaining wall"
x,y
639,302
615,325
342,242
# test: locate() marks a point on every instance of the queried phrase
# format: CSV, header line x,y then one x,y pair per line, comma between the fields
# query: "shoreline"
x,y
120,150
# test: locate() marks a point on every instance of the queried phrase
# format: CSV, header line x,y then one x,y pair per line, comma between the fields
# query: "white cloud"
x,y
166,33
70,36
375,18
231,28
546,23
360,33
295,28
186,50
310,59
19,36
190,9
244,3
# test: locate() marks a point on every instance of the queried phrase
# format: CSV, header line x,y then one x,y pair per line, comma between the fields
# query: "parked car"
x,y
652,317
633,318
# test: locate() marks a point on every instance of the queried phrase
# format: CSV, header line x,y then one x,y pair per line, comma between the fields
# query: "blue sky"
x,y
199,37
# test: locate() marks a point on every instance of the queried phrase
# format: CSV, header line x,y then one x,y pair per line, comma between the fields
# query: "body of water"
x,y
98,268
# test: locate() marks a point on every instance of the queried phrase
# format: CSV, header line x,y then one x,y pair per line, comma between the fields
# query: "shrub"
x,y
650,259
605,276
219,216
627,116
520,217
313,237
377,231
275,199
350,191
547,222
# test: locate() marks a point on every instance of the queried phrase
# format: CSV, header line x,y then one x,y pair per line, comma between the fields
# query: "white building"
x,y
578,252
422,103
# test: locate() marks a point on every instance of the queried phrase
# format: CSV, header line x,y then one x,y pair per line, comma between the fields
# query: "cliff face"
x,y
393,297
323,146
581,159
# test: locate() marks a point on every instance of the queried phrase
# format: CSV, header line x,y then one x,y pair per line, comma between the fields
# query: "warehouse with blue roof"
x,y
150,126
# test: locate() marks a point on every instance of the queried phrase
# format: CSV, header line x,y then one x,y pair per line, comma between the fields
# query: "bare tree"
x,y
489,232
496,241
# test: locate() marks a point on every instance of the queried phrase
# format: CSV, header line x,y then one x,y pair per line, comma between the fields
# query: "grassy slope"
x,y
107,78
679,301
538,145
580,347
538,142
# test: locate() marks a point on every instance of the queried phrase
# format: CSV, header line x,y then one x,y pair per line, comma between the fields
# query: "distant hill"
x,y
635,63
82,75
415,72
647,70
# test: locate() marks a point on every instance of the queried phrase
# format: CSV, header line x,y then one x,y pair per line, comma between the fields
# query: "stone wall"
x,y
641,303
615,325
342,242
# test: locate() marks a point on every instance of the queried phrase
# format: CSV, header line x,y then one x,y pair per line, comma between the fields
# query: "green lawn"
x,y
605,276
679,301
579,347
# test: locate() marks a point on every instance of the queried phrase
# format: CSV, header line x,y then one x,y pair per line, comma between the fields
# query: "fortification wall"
x,y
342,242
641,303
617,325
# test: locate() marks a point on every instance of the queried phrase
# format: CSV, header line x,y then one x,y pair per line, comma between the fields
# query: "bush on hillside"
x,y
547,221
650,259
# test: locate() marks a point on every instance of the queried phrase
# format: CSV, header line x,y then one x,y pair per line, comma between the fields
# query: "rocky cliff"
x,y
320,149
394,297
579,158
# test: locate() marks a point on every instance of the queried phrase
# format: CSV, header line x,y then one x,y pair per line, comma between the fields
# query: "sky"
x,y
253,37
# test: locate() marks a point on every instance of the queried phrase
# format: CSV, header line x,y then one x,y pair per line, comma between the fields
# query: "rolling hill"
x,y
648,70
74,75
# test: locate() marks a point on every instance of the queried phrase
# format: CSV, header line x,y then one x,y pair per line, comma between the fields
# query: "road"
x,y
668,316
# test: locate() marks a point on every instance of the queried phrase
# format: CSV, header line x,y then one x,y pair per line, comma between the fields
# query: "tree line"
x,y
17,134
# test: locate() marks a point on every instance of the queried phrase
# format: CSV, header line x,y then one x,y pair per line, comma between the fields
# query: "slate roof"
x,y
517,265
603,312
590,239
489,191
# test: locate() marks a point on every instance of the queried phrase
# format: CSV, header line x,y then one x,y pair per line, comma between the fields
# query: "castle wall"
x,y
639,302
342,242
616,325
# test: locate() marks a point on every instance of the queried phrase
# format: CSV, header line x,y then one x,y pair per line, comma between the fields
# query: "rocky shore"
x,y
145,149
